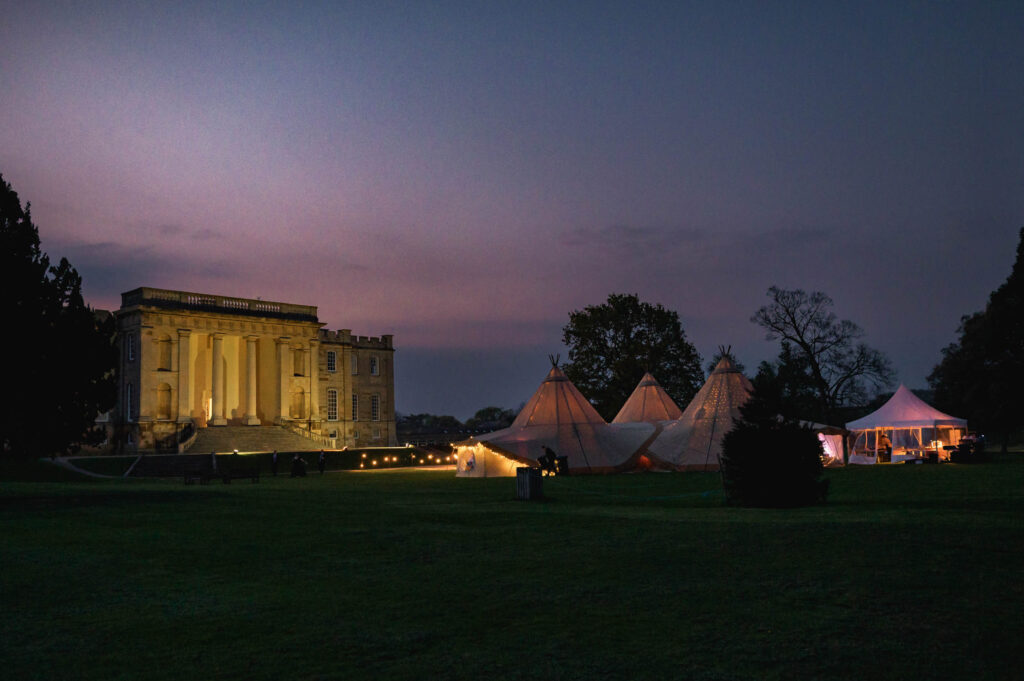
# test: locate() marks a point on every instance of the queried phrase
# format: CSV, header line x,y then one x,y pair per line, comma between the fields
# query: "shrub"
x,y
769,461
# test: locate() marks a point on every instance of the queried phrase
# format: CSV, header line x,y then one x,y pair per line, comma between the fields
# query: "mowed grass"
x,y
908,572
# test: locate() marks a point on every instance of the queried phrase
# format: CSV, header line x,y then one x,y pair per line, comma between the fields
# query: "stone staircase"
x,y
250,439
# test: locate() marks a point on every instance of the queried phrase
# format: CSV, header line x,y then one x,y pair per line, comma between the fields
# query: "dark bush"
x,y
768,461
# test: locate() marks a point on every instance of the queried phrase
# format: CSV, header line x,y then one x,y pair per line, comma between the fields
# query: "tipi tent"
x,y
904,428
649,403
558,417
694,440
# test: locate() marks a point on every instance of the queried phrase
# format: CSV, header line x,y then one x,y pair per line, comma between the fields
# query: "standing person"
x,y
273,463
321,462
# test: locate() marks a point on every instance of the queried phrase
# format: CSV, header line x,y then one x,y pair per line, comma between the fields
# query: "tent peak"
x,y
727,364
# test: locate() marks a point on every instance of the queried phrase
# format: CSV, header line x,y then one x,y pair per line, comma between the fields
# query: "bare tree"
x,y
840,368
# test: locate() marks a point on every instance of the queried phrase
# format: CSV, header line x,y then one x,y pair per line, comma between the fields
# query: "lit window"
x,y
332,361
332,405
374,369
355,364
375,407
355,407
130,340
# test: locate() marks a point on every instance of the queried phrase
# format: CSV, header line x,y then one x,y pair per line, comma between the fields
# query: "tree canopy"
x,y
787,386
62,354
980,376
612,345
826,349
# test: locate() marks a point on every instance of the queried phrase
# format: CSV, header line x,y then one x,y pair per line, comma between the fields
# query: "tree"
x,y
429,423
839,368
980,376
771,461
613,344
60,373
491,418
786,384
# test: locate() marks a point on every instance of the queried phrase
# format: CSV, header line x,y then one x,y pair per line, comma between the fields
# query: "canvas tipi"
x,y
648,403
694,440
560,418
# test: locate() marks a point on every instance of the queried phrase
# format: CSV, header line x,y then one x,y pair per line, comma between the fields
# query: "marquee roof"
x,y
905,410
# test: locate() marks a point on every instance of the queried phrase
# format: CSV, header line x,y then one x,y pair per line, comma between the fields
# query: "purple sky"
x,y
462,175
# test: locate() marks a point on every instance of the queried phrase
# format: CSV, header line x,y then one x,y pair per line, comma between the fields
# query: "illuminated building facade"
x,y
196,360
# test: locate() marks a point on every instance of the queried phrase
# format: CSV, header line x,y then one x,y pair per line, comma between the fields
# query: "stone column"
x,y
314,384
251,419
217,384
284,370
184,376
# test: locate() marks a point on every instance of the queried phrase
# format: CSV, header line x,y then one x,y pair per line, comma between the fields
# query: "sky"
x,y
464,174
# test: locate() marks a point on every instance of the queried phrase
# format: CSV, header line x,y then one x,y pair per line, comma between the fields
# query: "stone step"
x,y
250,439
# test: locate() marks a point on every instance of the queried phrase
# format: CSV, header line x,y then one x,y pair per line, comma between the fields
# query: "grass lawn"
x,y
908,572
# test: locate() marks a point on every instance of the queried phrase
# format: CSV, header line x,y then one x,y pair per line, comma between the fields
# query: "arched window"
x,y
163,354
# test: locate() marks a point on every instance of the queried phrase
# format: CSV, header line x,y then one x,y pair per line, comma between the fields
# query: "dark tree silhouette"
x,y
840,368
980,375
786,384
62,354
771,461
611,346
491,418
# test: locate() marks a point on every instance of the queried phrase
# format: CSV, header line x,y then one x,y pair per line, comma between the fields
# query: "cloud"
x,y
175,230
631,237
109,268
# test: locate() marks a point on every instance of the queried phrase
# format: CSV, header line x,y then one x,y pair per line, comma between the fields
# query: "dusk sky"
x,y
462,175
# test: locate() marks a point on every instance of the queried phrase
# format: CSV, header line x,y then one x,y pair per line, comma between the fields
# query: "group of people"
x,y
298,464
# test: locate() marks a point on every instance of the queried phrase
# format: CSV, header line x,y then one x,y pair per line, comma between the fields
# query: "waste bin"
x,y
529,484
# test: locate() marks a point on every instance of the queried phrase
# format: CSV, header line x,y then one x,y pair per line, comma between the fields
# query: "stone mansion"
x,y
196,360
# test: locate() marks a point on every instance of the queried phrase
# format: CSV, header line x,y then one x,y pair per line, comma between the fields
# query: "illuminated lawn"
x,y
909,572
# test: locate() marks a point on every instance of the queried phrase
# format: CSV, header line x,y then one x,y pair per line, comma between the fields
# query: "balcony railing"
x,y
184,300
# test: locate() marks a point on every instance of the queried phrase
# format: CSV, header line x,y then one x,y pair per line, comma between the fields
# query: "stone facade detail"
x,y
195,360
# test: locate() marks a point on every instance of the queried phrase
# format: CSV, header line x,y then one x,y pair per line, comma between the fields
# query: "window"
x,y
376,433
332,405
374,368
128,401
299,362
163,354
355,364
375,407
130,342
355,435
355,407
332,361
